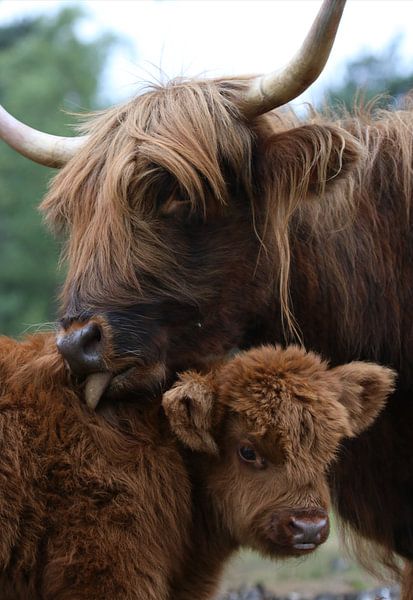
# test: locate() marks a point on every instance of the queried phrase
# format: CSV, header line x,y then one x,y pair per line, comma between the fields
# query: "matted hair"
x,y
190,137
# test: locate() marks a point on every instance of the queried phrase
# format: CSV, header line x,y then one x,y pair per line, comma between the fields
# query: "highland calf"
x,y
87,510
263,429
133,503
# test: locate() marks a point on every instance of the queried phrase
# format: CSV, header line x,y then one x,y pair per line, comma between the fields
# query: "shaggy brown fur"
x,y
290,410
87,510
193,230
107,508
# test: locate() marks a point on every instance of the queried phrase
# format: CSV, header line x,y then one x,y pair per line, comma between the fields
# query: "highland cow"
x,y
110,506
199,219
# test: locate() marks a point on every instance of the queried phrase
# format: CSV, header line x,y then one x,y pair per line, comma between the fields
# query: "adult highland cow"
x,y
199,218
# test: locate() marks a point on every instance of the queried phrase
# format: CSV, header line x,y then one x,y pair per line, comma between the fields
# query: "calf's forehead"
x,y
294,431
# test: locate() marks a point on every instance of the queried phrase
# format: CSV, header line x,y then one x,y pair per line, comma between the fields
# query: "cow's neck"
x,y
348,291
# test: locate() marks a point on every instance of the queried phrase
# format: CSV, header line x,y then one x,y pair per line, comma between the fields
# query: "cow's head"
x,y
176,207
264,429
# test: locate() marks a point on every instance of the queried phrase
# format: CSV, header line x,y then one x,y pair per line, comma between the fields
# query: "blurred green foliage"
x,y
46,69
371,75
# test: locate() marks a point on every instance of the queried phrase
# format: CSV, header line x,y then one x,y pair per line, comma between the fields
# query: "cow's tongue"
x,y
95,385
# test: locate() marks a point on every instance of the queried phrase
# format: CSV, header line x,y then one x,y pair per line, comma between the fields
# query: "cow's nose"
x,y
309,530
82,348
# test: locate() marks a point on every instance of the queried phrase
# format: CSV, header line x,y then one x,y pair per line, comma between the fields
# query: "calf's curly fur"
x,y
86,510
149,502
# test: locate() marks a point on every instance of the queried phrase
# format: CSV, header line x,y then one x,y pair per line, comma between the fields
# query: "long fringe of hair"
x,y
190,138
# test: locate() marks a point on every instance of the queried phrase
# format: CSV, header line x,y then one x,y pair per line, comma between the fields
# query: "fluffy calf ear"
x,y
366,387
189,406
309,159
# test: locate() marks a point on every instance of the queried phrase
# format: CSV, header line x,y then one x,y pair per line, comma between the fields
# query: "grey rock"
x,y
339,565
258,592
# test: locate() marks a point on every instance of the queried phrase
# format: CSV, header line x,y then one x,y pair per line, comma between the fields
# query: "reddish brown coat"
x,y
87,510
105,506
180,212
292,410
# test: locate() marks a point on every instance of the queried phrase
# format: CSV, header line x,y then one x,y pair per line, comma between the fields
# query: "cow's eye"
x,y
173,201
175,207
247,453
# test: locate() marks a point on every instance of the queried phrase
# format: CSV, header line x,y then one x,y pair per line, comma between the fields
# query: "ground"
x,y
327,570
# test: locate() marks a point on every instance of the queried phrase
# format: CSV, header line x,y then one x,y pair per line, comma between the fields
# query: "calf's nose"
x,y
308,530
81,347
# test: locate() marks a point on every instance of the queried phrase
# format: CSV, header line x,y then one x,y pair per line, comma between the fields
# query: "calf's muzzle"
x,y
307,530
300,529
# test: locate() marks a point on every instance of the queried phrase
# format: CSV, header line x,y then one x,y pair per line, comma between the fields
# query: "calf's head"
x,y
264,428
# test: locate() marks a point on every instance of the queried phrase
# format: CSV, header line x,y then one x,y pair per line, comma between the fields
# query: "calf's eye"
x,y
247,453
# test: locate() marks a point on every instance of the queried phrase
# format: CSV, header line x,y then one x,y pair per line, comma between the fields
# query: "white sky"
x,y
213,37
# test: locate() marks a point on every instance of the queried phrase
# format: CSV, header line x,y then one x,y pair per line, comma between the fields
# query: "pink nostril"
x,y
294,525
308,530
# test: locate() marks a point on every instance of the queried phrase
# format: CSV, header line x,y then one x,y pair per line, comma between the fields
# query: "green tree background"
x,y
382,77
46,69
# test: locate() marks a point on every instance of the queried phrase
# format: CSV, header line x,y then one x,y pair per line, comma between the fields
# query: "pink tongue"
x,y
96,384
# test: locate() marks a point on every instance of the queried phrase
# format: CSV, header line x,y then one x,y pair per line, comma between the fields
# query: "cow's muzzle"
x,y
82,348
89,351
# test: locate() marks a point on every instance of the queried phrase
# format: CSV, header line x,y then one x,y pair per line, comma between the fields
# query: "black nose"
x,y
309,530
82,348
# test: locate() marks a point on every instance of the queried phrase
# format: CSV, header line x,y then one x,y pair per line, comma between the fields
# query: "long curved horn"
x,y
43,148
275,89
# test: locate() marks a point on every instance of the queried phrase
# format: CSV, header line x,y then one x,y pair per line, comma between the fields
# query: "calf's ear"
x,y
365,389
189,407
